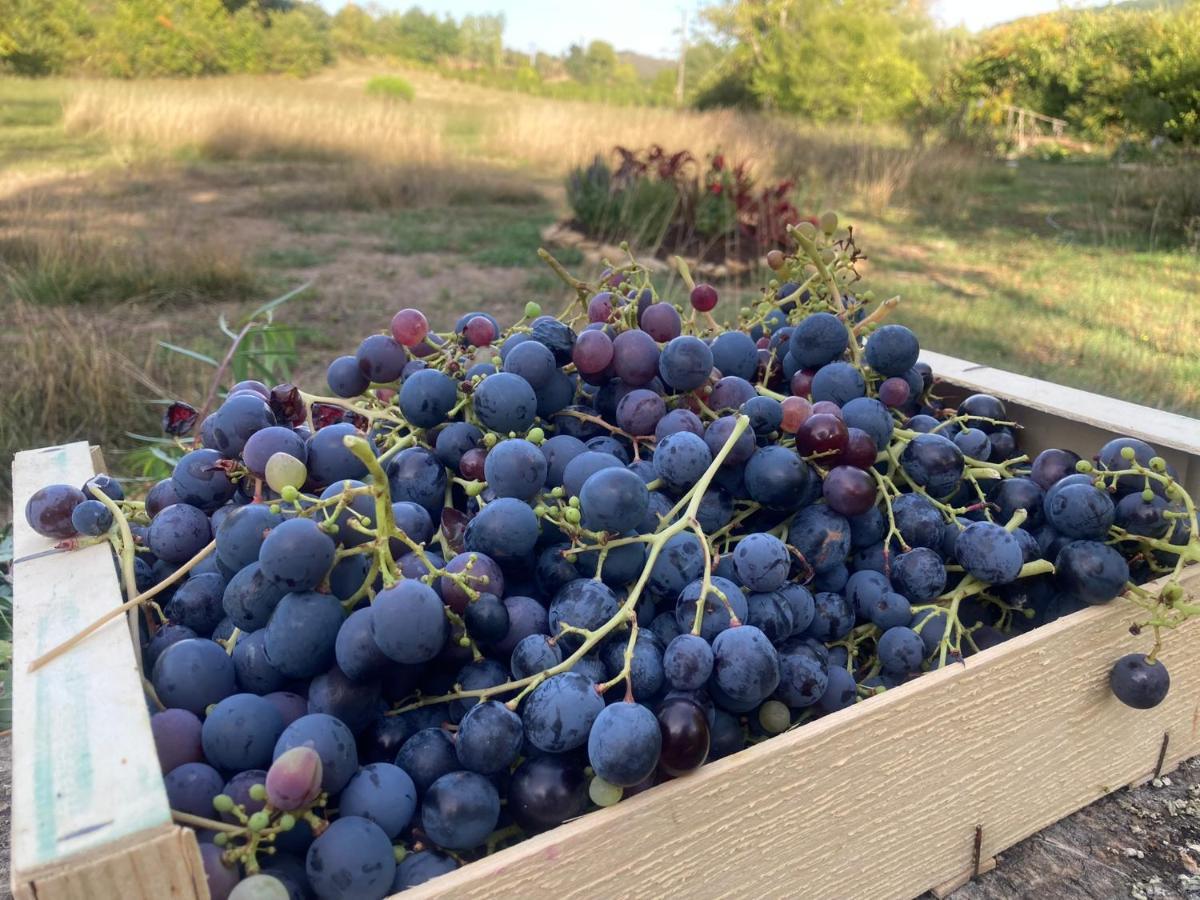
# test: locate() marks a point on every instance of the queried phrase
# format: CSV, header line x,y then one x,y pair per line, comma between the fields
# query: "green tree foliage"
x,y
823,59
1109,73
40,37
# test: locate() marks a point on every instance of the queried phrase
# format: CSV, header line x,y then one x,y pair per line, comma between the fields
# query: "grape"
x,y
1012,494
681,459
1090,572
1080,511
871,416
505,403
639,412
716,617
158,498
557,336
290,706
333,742
283,470
296,554
849,491
582,603
919,574
624,744
409,622
460,810
934,463
703,298
355,703
480,573
166,635
1138,682
610,446
973,443
900,651
532,361
418,476
822,434
892,350
250,597
593,353
559,713
192,674
661,321
745,665
91,517
176,738
989,553
688,662
729,393
516,468
685,736
734,353
260,887
821,536
1051,466
486,619
686,363
766,415
301,633
546,791
178,533
426,398
382,793
328,458
454,440
777,478
409,327
197,603
240,732
1138,515
762,562
489,738
480,330
191,788
819,339
351,860
504,529
241,533
417,868
833,616
426,757
220,877
918,520
635,357
803,674
264,444
613,499
252,670
717,435
840,691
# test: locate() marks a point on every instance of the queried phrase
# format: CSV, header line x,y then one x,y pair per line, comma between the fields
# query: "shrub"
x,y
391,86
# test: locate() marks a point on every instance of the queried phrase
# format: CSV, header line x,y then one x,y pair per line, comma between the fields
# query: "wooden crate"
x,y
972,759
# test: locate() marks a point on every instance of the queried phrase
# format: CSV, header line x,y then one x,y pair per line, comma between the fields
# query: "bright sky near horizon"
x,y
652,26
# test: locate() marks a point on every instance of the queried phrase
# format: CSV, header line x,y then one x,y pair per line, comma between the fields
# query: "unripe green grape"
x,y
1158,464
258,792
489,440
289,494
1127,453
259,821
284,470
532,310
828,256
1147,495
535,436
603,793
287,822
829,222
221,838
571,514
774,717
807,229
222,803
1083,466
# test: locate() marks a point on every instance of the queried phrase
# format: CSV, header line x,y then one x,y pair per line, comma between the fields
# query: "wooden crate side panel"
x,y
163,865
85,771
1058,416
1013,740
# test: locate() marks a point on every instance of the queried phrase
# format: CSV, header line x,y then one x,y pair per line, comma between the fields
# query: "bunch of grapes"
x,y
497,577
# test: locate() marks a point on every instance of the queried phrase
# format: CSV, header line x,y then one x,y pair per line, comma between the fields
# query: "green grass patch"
x,y
32,136
502,236
392,87
293,258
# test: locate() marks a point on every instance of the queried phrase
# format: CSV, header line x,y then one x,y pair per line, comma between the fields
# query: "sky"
x,y
652,26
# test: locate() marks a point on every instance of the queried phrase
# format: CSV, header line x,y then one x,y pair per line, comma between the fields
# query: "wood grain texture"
x,y
85,772
163,864
1013,739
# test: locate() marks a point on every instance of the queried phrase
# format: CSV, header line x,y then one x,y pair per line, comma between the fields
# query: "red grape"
x,y
470,464
796,411
600,307
704,297
685,736
829,408
860,450
802,382
822,433
409,327
848,490
661,321
479,331
592,353
894,392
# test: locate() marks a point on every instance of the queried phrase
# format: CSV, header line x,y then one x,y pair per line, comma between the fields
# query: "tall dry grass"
x,y
434,146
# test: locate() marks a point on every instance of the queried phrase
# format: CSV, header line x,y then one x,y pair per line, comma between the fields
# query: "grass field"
x,y
133,213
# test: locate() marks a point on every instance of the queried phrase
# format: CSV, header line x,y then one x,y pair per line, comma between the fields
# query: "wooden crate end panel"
x,y
75,750
163,864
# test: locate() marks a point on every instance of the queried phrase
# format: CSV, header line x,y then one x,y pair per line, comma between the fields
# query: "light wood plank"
x,y
1014,739
85,772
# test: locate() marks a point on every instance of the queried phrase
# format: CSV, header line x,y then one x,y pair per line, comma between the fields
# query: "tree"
x,y
824,59
42,37
480,39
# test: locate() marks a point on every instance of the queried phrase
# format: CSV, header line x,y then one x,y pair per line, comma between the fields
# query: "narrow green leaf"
x,y
277,302
199,357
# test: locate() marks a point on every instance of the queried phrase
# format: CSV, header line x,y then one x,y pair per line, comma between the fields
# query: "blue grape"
x,y
889,610
301,633
678,420
892,350
176,738
1138,682
771,614
192,674
1080,511
532,361
716,616
803,674
901,651
766,414
351,860
838,382
296,554
382,793
166,635
582,603
973,443
420,867
236,420
717,435
821,536
735,353
989,553
409,622
197,603
345,378
426,398
840,691
505,529
534,653
680,562
918,521
516,468
919,574
329,460
505,403
645,664
559,713
934,463
558,452
583,466
624,744
833,617
250,597
355,703
778,478
681,459
745,664
333,742
179,532
802,605
91,517
241,533
417,475
1090,572
426,757
240,732
819,339
489,738
361,504
688,662
622,564
191,788
762,562
460,810
252,669
613,500
869,415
